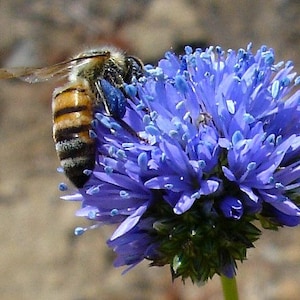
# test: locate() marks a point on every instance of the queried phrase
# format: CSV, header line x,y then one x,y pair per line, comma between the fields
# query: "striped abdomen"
x,y
72,116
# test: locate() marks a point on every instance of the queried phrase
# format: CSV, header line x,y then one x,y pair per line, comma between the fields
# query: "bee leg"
x,y
101,99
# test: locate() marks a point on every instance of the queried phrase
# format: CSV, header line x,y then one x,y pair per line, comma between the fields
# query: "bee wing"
x,y
59,70
33,75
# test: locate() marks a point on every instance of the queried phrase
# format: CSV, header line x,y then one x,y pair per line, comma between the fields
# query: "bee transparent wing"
x,y
14,72
43,74
33,75
59,70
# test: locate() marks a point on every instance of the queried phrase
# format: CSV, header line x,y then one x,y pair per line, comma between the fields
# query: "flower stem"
x,y
229,286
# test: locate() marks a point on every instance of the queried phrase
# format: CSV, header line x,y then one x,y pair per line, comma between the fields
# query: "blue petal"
x,y
129,223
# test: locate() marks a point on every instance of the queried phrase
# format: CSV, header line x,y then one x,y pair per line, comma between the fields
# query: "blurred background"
x,y
40,258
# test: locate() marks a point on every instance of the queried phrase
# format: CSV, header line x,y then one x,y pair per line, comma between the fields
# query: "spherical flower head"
x,y
210,143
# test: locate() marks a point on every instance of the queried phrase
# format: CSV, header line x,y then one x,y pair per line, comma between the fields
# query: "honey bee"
x,y
96,80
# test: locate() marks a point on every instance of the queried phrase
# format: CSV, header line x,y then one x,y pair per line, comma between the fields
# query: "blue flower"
x,y
209,143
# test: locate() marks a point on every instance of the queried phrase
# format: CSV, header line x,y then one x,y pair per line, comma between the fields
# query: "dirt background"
x,y
40,258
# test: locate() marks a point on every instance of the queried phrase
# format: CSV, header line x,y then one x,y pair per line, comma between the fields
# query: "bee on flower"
x,y
217,147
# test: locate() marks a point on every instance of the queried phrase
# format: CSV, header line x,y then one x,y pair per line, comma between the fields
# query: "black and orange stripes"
x,y
72,108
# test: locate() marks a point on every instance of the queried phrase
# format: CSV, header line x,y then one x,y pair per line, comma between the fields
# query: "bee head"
x,y
135,68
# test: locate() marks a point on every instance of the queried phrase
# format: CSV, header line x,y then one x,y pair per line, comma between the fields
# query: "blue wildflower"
x,y
209,143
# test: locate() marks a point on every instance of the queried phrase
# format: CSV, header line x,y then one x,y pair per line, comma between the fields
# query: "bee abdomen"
x,y
75,157
72,116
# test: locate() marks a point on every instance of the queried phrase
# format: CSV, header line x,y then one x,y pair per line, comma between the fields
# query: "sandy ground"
x,y
40,258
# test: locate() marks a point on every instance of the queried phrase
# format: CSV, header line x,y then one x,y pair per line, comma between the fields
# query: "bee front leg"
x,y
100,98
